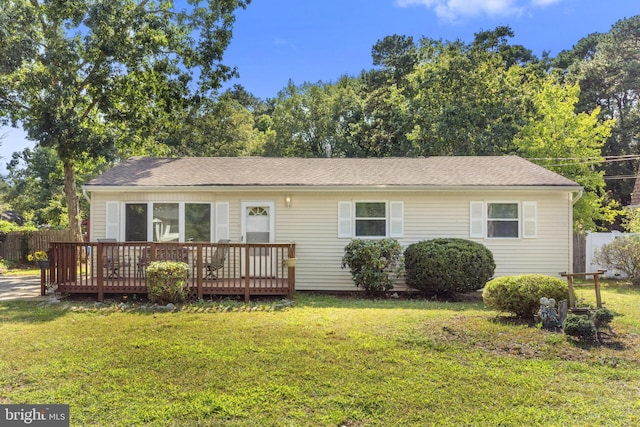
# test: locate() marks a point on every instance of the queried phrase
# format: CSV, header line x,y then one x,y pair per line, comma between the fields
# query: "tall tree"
x,y
465,100
219,127
85,76
570,143
607,66
311,117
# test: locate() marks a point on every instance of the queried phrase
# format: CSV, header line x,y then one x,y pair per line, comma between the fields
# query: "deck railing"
x,y
101,268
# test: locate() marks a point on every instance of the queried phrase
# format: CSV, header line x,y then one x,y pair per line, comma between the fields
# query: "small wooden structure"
x,y
596,285
100,268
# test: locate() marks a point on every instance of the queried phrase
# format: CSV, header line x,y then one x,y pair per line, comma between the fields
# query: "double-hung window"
x,y
503,220
370,219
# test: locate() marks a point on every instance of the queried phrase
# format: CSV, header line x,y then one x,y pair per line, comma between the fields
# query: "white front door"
x,y
257,226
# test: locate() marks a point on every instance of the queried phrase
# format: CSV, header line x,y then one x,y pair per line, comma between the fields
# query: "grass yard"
x,y
324,361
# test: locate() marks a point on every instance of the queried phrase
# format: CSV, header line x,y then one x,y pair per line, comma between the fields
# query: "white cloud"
x,y
451,10
543,3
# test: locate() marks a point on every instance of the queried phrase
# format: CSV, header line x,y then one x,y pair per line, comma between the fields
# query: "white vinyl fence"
x,y
594,242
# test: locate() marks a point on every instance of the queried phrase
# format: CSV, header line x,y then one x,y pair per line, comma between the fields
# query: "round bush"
x,y
521,295
447,266
167,281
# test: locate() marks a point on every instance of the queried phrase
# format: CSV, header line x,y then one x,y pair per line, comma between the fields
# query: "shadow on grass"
x,y
357,300
30,311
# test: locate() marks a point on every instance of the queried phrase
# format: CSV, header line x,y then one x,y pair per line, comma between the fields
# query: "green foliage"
x,y
579,326
167,281
631,220
605,66
86,78
445,266
4,265
555,132
602,317
622,254
463,100
218,128
587,327
374,264
8,226
308,117
520,295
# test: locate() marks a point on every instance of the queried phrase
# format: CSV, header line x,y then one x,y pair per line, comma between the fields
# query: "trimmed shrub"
x,y
374,264
521,295
587,328
579,326
602,317
622,254
446,266
167,281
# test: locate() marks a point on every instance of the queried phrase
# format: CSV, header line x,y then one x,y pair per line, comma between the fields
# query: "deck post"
x,y
199,267
43,281
291,273
100,265
247,271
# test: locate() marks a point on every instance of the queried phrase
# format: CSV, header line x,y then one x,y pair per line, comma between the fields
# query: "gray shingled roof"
x,y
266,171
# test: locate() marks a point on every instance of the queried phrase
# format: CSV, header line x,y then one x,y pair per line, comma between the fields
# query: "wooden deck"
x,y
215,268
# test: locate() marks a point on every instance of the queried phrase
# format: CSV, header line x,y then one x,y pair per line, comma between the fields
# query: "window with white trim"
x,y
168,222
370,219
135,220
197,222
503,220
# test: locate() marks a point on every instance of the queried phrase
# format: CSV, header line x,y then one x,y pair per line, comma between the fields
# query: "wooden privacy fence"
x,y
18,244
214,268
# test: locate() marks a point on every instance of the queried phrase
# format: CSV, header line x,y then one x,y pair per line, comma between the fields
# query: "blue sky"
x,y
321,40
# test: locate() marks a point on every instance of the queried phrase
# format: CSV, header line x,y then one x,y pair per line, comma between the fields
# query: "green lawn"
x,y
324,361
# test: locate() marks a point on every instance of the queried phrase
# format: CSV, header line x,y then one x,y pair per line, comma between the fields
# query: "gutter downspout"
x,y
577,196
86,196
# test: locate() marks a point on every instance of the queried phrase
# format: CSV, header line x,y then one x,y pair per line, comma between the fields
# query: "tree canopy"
x,y
89,77
110,79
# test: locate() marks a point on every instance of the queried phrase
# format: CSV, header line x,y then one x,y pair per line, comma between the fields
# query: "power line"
x,y
587,160
619,177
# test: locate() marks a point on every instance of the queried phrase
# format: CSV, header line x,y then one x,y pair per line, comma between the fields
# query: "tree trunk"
x,y
73,202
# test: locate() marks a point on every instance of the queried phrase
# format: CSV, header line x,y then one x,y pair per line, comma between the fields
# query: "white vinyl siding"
x,y
313,221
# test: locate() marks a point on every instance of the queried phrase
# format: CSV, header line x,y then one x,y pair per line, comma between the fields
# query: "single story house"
x,y
520,211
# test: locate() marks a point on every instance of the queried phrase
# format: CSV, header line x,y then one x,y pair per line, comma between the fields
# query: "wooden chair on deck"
x,y
217,260
143,262
111,259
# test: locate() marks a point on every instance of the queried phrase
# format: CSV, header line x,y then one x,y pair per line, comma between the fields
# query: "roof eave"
x,y
350,188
